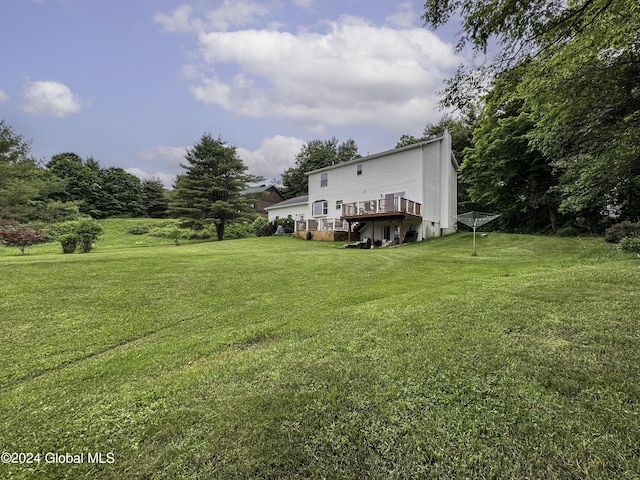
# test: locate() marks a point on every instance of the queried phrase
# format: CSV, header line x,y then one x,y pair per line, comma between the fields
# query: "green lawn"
x,y
282,358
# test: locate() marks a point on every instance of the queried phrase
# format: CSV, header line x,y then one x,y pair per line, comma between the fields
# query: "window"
x,y
359,169
320,208
338,204
324,179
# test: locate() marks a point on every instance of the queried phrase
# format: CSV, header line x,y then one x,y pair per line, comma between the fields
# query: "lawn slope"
x,y
282,358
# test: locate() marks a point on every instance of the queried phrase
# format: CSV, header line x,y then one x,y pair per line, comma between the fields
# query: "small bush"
x,y
69,242
235,231
88,230
204,234
629,245
617,232
261,227
57,230
288,224
140,229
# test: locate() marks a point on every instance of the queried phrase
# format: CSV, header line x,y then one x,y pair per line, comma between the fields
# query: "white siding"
x,y
424,173
297,212
380,176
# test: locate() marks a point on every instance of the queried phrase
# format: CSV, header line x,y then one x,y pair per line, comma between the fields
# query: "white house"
x,y
405,194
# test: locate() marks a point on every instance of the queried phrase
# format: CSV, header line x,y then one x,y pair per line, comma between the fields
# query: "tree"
x,y
154,198
25,188
504,174
82,182
120,193
14,234
315,154
209,192
578,65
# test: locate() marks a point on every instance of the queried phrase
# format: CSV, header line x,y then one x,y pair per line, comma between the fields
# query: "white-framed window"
x,y
338,204
320,208
359,169
324,179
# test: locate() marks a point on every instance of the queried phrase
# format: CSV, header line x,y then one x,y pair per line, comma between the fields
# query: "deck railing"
x,y
323,224
382,205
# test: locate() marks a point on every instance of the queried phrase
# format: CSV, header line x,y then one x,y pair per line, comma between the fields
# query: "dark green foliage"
x,y
98,192
575,67
82,183
262,227
25,189
504,174
209,192
69,242
155,198
617,232
316,154
121,194
288,224
236,231
89,231
630,245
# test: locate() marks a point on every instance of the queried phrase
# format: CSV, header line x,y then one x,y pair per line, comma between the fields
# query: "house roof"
x,y
259,189
302,200
382,154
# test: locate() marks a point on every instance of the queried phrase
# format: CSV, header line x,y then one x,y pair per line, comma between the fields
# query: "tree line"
x,y
67,187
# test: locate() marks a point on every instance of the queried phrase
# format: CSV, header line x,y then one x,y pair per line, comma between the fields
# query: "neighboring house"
x,y
264,196
405,194
295,208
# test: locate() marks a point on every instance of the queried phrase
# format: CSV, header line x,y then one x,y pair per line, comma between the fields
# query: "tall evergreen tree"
x,y
209,192
154,198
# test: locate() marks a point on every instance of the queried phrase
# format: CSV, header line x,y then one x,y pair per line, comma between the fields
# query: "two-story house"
x,y
405,194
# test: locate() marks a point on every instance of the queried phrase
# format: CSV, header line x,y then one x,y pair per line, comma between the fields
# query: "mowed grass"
x,y
282,358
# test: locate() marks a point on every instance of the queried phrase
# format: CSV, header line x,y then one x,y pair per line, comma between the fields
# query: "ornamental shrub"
x,y
261,227
88,230
14,234
630,245
56,230
617,232
69,242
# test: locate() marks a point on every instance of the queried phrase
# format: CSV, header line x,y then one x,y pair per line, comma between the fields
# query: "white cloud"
x,y
179,20
229,13
164,154
274,156
405,17
235,13
49,98
3,96
352,73
167,179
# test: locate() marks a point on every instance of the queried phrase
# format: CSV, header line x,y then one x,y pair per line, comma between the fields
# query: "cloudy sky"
x,y
133,83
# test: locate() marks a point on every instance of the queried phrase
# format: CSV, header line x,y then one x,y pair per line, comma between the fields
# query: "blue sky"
x,y
133,83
